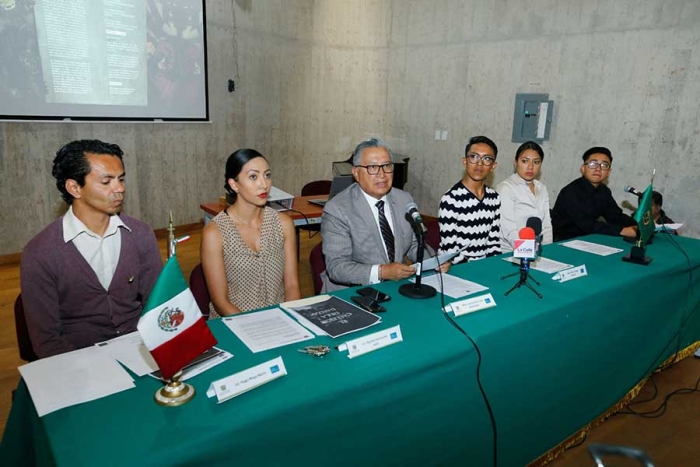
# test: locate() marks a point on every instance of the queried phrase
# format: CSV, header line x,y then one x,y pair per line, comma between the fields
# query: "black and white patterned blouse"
x,y
468,223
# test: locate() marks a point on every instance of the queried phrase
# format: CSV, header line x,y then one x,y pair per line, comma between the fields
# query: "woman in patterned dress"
x,y
248,250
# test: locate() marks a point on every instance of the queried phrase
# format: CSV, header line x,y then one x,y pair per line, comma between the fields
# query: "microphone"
x,y
634,191
535,223
417,290
415,218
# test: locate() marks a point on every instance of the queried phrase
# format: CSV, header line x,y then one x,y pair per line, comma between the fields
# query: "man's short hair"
x,y
597,150
657,198
71,162
481,140
369,143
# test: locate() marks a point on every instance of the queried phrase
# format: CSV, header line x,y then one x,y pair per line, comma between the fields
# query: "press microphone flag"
x,y
525,244
535,223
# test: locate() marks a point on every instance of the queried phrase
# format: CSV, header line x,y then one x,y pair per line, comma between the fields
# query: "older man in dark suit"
x,y
366,234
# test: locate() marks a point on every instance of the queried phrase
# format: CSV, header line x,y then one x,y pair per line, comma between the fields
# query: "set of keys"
x,y
316,350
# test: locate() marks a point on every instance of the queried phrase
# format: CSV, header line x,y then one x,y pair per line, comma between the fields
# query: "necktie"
x,y
387,234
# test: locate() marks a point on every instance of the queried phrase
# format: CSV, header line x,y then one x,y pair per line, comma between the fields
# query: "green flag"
x,y
644,217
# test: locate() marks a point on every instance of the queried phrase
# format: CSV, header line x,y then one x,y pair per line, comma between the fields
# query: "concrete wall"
x,y
314,77
624,74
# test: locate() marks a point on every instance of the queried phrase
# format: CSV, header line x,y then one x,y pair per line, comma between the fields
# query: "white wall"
x,y
624,74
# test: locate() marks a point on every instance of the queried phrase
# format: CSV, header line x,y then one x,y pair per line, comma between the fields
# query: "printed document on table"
x,y
548,266
435,261
333,316
131,352
267,329
454,286
304,302
589,247
73,378
668,227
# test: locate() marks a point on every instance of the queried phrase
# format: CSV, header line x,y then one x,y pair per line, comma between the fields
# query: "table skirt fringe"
x,y
583,432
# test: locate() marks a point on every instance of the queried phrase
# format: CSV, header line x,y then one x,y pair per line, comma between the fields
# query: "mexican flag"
x,y
645,217
171,326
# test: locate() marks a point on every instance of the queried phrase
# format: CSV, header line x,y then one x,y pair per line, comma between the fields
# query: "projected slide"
x,y
102,59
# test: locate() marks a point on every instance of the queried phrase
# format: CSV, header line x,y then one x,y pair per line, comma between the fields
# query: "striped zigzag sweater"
x,y
470,224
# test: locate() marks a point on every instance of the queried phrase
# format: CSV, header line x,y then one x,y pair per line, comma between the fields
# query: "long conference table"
x,y
550,366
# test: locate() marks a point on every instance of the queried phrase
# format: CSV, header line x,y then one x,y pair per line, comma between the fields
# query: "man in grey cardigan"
x,y
86,276
366,235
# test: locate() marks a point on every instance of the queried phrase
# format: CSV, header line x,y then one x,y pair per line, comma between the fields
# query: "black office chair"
x,y
24,341
317,187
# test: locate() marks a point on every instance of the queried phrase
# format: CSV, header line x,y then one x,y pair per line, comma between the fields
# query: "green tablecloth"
x,y
549,367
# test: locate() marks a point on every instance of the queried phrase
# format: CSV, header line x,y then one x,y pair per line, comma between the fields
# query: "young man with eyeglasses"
x,y
366,235
586,205
469,216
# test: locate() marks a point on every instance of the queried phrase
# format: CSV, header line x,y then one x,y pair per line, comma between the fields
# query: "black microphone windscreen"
x,y
535,223
633,190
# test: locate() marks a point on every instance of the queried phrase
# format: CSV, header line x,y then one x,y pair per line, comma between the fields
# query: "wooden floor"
x,y
670,440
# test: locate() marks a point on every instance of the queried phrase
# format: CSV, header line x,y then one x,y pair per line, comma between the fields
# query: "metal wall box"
x,y
532,117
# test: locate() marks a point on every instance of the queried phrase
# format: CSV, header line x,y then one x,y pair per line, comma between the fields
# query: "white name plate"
x,y
243,381
469,305
371,342
571,273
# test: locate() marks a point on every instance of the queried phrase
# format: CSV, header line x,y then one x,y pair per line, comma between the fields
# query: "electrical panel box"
x,y
532,118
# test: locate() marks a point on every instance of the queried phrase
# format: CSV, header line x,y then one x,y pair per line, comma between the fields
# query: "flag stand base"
x,y
174,393
637,256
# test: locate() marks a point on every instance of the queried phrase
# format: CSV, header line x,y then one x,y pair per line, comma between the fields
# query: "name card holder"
x,y
246,380
571,273
469,305
372,342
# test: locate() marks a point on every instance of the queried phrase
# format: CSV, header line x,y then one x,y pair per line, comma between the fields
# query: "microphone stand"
x,y
524,276
418,290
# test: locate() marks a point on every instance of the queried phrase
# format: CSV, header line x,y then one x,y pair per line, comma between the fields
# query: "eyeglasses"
x,y
374,169
475,158
596,164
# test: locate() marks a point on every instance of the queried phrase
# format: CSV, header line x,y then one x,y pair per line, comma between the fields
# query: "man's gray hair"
x,y
369,143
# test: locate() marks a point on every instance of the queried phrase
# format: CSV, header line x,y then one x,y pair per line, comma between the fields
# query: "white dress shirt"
x,y
101,252
518,203
374,273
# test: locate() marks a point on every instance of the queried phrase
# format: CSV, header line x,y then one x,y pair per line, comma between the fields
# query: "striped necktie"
x,y
387,234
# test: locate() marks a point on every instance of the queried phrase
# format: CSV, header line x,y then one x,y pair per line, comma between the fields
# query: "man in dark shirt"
x,y
586,206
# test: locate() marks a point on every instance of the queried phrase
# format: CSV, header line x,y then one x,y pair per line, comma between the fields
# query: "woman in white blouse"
x,y
523,196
